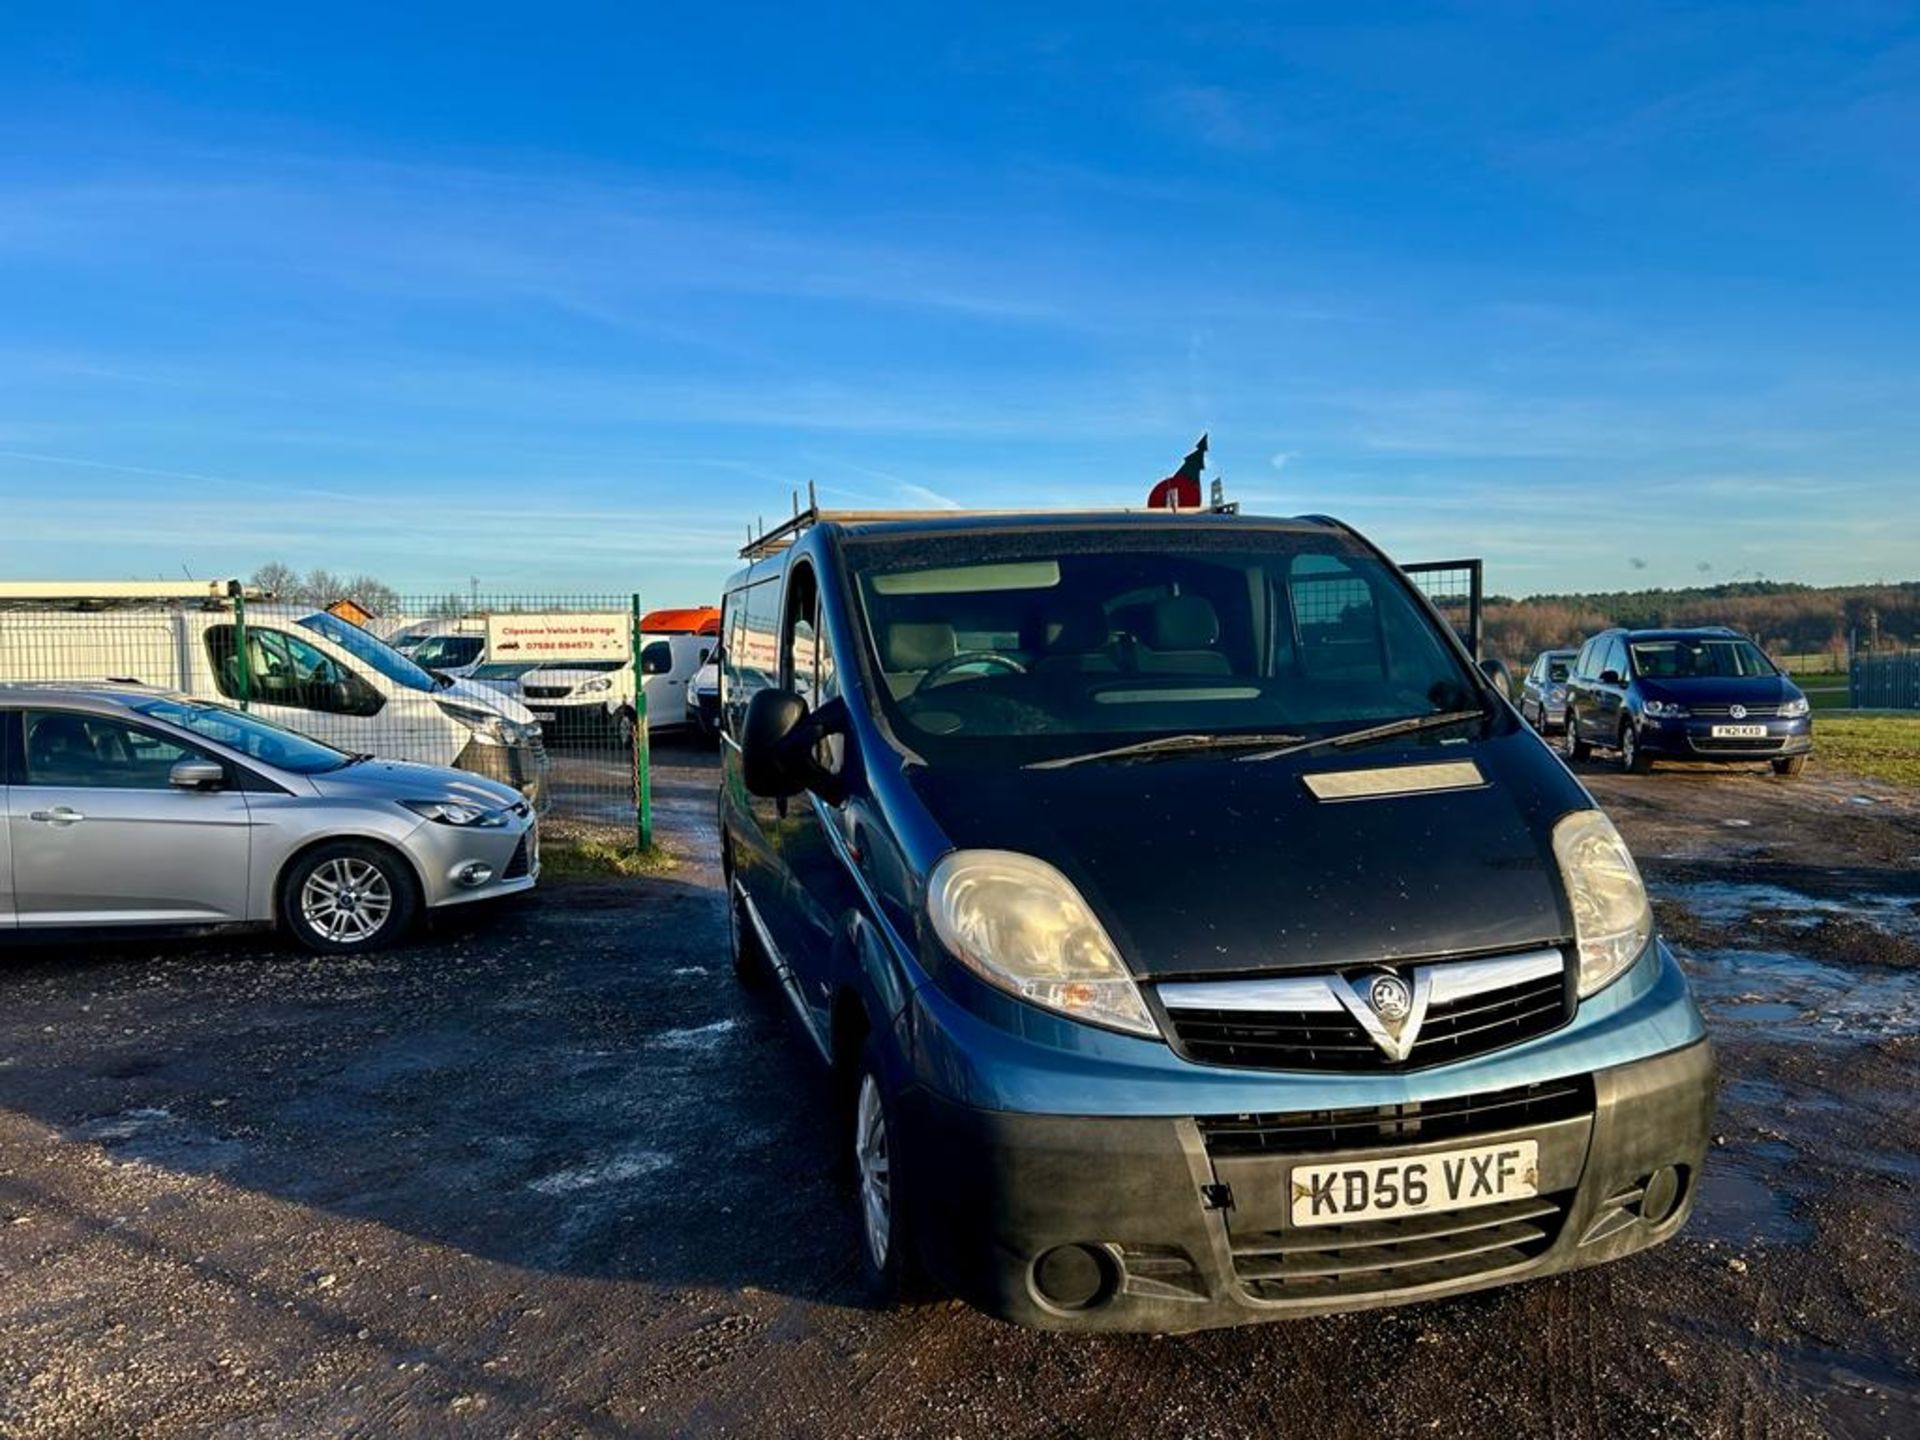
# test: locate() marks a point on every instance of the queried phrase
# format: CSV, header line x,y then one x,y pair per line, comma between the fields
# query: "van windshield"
x,y
440,652
370,650
1011,648
248,734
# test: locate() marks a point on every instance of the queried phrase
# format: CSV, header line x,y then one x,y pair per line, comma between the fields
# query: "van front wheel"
x,y
886,1246
1790,765
347,897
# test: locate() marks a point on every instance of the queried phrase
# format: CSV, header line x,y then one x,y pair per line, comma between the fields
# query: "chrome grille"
x,y
1319,1022
1720,712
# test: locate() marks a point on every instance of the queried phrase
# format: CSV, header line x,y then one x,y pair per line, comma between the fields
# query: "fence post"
x,y
642,753
239,594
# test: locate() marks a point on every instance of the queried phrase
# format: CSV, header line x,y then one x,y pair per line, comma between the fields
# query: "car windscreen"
x,y
1558,670
248,734
1699,658
439,652
1008,647
370,650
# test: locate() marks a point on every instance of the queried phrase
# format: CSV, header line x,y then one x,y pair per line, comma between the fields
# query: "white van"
x,y
307,670
585,697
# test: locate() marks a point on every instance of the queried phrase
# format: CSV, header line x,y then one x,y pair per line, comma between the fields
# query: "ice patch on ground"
x,y
614,1170
697,1037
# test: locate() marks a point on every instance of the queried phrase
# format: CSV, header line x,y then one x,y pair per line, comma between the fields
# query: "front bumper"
x,y
1693,739
440,853
1189,1230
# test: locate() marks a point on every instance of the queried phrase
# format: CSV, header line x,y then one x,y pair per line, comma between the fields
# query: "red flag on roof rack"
x,y
1181,490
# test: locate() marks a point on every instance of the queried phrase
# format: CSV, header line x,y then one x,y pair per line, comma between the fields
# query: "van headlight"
x,y
595,687
1794,709
489,727
1612,921
1018,924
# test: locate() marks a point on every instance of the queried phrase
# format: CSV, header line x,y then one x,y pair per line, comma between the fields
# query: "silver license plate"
x,y
1739,732
544,716
1415,1184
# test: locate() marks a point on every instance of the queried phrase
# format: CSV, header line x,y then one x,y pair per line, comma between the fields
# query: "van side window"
x,y
1583,663
64,748
750,658
799,653
285,670
656,658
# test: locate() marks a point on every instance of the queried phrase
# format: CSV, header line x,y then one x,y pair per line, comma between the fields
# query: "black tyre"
x,y
1790,765
887,1258
623,728
1633,759
1570,743
347,897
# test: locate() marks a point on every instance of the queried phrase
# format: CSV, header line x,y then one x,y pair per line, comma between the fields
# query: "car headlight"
x,y
1018,924
1612,921
489,727
595,687
1794,709
458,812
1664,710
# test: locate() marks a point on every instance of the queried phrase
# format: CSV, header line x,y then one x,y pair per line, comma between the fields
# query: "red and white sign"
x,y
559,637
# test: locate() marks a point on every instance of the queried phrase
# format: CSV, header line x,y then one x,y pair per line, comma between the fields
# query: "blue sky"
x,y
562,296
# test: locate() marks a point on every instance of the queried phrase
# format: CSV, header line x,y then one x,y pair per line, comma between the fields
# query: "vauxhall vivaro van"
x,y
1197,933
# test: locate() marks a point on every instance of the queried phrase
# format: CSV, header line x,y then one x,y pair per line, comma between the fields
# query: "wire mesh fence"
x,y
555,695
1887,681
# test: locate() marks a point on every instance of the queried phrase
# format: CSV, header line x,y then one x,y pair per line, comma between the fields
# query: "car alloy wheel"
x,y
346,900
1628,748
871,1154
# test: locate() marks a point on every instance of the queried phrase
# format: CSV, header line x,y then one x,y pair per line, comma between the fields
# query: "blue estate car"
x,y
1194,932
1705,694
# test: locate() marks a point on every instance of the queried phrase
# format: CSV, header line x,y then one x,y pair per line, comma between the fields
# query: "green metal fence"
x,y
540,691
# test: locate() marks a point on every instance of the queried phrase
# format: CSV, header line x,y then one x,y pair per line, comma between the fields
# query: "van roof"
x,y
904,523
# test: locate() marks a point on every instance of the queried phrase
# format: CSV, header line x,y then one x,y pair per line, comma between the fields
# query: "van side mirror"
x,y
194,773
1610,677
778,741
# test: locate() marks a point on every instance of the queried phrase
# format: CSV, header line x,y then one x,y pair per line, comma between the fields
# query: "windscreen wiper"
x,y
1163,745
1386,730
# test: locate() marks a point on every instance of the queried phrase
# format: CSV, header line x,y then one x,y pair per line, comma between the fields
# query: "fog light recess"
x,y
1074,1277
472,873
1662,1195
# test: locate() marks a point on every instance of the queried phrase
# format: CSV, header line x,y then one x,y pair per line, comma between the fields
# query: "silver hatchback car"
x,y
136,808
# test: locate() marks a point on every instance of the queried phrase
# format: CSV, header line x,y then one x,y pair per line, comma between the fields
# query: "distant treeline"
x,y
1786,619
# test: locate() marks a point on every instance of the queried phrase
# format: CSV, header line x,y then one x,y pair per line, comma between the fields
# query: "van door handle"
x,y
59,815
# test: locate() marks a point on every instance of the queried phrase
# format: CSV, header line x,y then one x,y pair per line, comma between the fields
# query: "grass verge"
x,y
1882,747
600,857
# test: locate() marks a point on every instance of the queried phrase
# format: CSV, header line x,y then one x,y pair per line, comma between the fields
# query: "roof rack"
x,y
771,542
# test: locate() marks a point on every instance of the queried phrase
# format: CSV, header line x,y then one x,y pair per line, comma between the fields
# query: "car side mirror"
x,y
194,773
1609,677
778,743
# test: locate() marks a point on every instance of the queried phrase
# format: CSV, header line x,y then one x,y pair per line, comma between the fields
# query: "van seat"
x,y
914,647
1181,632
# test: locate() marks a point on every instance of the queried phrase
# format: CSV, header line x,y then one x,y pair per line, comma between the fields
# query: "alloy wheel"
x,y
346,899
870,1151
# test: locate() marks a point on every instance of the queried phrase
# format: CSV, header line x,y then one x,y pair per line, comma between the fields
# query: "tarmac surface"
x,y
547,1172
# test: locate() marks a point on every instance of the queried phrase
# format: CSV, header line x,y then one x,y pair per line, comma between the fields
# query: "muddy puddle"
x,y
1783,996
1730,903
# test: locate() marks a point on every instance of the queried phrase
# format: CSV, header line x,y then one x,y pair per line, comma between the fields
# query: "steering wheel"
x,y
969,657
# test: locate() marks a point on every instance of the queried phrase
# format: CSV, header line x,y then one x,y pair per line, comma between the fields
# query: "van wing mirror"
x,y
1610,677
778,743
195,773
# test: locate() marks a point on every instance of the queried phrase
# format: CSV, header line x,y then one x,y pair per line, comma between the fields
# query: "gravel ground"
x,y
546,1173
